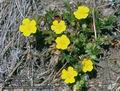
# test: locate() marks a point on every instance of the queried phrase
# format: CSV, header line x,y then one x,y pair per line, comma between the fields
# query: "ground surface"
x,y
38,70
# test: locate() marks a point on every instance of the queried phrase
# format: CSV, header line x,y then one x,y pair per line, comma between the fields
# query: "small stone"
x,y
108,11
91,89
111,86
1,1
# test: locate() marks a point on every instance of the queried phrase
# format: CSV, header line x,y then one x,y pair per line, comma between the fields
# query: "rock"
x,y
108,11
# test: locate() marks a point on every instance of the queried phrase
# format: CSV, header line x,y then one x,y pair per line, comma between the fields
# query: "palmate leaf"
x,y
106,22
69,17
81,82
92,50
67,5
49,16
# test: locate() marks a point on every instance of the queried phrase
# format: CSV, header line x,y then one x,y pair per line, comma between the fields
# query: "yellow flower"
x,y
62,42
28,26
87,65
68,75
82,12
58,26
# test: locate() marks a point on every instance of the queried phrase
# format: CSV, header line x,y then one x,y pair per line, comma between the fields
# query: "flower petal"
x,y
72,80
22,28
34,29
90,68
64,74
26,33
83,9
84,69
67,81
70,69
26,21
33,23
82,12
53,27
55,22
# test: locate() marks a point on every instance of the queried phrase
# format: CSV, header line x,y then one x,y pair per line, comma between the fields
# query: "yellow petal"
x,y
69,80
90,62
63,47
26,21
77,15
58,43
84,16
59,46
62,22
66,39
57,40
63,28
53,27
64,74
75,12
83,62
90,68
55,22
84,69
58,30
33,29
75,73
70,69
22,28
83,9
33,22
26,33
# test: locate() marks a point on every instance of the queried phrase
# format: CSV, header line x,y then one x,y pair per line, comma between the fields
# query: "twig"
x,y
117,30
19,8
93,15
6,48
47,78
11,73
59,70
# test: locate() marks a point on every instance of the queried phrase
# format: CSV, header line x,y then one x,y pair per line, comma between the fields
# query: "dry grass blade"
x,y
93,15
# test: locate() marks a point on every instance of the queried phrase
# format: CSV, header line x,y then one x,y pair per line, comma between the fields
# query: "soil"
x,y
108,72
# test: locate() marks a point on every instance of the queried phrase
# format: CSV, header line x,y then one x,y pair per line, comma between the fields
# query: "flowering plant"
x,y
76,36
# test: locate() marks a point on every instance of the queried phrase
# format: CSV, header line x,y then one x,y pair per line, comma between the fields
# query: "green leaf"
x,y
49,16
69,17
67,5
92,50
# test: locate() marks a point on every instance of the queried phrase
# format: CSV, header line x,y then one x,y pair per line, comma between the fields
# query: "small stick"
x,y
11,73
60,70
93,15
117,30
